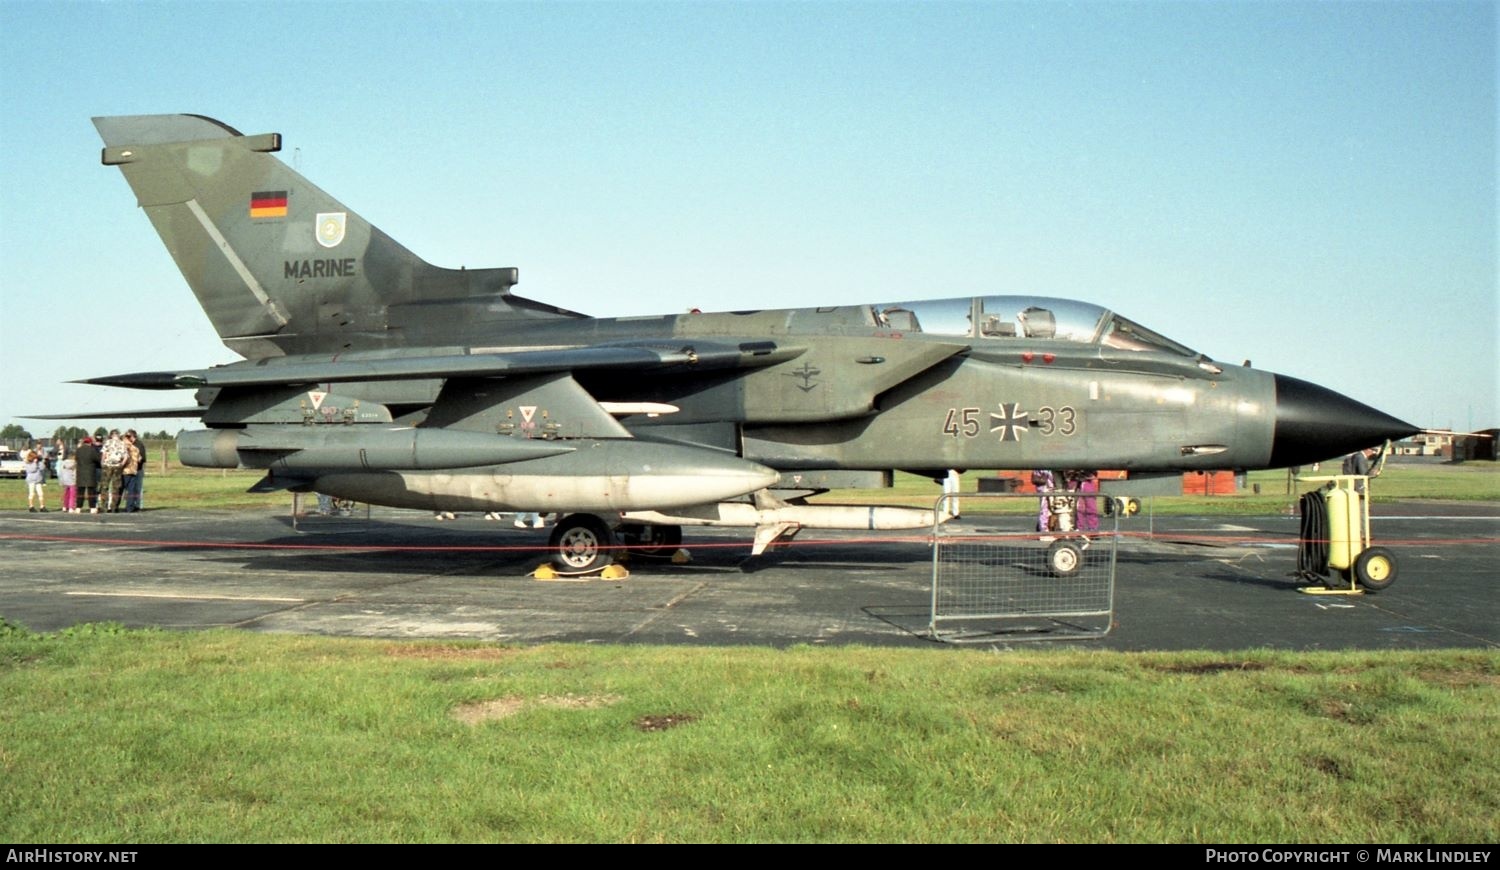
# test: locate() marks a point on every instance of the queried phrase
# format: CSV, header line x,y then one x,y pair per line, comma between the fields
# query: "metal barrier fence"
x,y
996,577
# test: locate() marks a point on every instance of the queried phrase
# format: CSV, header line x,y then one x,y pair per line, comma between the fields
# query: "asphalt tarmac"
x,y
1181,583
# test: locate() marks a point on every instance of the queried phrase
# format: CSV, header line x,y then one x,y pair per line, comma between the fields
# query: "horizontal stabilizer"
x,y
144,414
696,357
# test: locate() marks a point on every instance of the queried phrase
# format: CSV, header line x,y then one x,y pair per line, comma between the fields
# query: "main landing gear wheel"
x,y
651,541
1064,558
580,544
1375,569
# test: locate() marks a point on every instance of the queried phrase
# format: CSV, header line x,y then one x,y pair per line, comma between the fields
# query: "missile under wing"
x,y
374,375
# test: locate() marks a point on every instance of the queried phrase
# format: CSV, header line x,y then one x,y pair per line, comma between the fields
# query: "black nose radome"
x,y
1314,424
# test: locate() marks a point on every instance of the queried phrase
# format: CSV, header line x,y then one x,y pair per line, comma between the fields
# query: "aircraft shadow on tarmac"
x,y
824,558
366,545
501,563
373,546
381,562
1284,581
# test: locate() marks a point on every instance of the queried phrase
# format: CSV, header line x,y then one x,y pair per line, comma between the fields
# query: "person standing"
x,y
1044,482
1088,501
88,474
36,478
112,458
1358,463
134,471
67,478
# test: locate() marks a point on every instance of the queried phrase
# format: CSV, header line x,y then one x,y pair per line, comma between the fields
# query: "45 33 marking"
x,y
1046,421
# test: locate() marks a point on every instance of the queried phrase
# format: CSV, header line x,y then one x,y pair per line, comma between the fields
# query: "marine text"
x,y
343,268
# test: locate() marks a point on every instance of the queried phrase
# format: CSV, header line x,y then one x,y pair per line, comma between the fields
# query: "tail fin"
x,y
281,267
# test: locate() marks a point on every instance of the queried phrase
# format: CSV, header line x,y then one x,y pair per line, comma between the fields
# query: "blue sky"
x,y
1310,186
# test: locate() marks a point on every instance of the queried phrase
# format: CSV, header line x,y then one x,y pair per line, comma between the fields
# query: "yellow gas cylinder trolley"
x,y
1334,546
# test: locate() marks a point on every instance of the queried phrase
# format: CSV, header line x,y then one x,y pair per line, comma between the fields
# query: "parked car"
x,y
11,463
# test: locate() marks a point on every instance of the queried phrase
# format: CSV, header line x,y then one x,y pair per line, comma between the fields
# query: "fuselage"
x,y
1000,382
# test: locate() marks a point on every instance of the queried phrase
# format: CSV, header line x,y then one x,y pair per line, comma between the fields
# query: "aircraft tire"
x,y
1064,558
1375,569
581,544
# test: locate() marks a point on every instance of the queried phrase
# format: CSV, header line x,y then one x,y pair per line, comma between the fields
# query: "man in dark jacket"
x,y
1358,463
88,474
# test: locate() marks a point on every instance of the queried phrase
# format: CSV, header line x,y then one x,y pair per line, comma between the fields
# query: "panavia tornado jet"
x,y
372,375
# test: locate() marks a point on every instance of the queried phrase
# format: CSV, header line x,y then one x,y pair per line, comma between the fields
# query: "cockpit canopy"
x,y
1019,317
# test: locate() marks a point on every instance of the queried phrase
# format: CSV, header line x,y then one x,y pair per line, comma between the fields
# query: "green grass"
x,y
123,736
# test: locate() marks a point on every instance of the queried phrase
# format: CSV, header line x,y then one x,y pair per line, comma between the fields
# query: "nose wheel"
x,y
1064,558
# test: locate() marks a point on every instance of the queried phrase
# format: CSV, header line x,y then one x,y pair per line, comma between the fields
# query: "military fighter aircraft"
x,y
372,375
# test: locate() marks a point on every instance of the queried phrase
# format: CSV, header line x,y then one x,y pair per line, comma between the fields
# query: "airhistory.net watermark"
x,y
68,856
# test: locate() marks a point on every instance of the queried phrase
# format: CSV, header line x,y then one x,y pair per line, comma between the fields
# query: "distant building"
x,y
1408,447
1449,445
1479,445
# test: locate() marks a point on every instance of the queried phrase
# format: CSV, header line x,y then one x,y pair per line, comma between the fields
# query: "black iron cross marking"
x,y
1010,423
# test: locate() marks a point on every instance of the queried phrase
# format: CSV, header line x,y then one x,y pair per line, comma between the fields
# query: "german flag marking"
x,y
268,204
